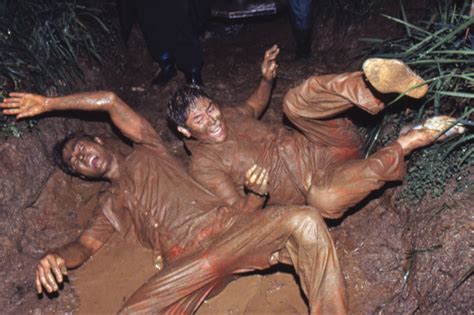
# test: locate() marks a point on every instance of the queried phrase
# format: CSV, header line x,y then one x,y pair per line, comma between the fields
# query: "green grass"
x,y
42,44
439,48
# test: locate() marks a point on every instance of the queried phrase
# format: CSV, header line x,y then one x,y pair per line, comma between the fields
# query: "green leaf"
x,y
456,94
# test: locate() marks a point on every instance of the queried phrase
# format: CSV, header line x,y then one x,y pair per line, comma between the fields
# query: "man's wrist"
x,y
263,79
48,104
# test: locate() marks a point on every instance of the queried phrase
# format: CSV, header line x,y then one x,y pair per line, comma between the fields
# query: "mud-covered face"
x,y
205,121
87,157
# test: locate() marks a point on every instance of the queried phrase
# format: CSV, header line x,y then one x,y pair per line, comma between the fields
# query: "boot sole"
x,y
394,76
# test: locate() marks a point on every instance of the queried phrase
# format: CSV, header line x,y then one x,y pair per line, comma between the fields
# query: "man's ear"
x,y
99,140
184,131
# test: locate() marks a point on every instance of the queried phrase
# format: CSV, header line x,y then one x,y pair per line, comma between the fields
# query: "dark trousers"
x,y
171,29
300,12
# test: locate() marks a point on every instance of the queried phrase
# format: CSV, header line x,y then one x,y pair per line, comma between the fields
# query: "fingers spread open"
x,y
44,281
45,263
62,265
11,101
13,111
39,287
55,267
18,94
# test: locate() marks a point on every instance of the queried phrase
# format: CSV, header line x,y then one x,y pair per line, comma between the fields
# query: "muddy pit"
x,y
396,258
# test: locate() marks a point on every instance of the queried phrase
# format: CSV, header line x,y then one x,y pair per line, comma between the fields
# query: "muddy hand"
x,y
256,180
49,273
23,105
269,65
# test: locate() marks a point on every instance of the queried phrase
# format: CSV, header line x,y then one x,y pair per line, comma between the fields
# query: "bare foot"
x,y
394,76
431,130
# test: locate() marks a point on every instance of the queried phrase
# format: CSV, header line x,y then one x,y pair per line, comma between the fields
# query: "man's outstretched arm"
x,y
132,125
52,268
257,102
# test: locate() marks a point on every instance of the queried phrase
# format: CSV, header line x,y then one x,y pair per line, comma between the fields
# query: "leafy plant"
x,y
440,49
41,45
41,42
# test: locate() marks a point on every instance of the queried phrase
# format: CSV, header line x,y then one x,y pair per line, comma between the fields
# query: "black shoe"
x,y
167,71
165,75
193,77
303,44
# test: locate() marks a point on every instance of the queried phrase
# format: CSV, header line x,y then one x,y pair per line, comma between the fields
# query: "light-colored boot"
x,y
394,76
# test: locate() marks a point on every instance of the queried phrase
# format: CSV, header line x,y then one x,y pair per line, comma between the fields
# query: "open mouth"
x,y
216,130
94,161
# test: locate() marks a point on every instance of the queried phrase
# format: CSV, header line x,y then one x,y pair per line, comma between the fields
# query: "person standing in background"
x,y
171,29
301,12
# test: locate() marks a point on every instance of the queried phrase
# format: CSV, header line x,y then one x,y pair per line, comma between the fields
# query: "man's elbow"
x,y
112,97
109,100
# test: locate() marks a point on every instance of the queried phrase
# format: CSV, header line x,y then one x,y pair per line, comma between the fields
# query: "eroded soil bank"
x,y
396,257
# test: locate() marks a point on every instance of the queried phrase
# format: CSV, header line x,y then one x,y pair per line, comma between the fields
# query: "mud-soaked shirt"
x,y
295,159
285,153
170,211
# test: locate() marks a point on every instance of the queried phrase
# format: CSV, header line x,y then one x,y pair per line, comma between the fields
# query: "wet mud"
x,y
396,258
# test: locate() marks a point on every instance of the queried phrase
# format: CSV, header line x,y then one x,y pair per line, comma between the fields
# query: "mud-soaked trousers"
x,y
335,175
255,241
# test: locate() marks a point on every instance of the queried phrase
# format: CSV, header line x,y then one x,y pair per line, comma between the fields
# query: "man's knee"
x,y
328,202
309,231
305,218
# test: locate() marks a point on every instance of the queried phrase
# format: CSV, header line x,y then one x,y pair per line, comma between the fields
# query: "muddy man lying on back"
x,y
320,162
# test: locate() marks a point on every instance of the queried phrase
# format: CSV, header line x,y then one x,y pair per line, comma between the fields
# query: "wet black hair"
x,y
58,148
181,102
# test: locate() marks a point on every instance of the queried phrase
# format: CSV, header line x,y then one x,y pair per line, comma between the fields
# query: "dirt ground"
x,y
396,257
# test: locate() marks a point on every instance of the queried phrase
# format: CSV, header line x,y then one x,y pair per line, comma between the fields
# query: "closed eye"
x,y
198,119
211,108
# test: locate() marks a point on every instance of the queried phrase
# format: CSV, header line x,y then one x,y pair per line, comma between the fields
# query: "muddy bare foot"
x,y
433,129
394,76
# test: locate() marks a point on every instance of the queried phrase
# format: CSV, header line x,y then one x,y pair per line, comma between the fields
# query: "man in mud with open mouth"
x,y
199,242
318,163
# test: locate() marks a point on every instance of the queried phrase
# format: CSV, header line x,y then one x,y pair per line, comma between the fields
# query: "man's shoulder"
x,y
237,113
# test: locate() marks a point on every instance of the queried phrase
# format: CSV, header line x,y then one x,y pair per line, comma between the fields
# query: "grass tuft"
x,y
439,48
41,45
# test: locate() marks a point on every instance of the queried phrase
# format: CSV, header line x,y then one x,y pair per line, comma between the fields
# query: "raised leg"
x,y
315,105
346,183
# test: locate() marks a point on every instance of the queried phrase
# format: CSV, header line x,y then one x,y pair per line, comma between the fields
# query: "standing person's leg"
x,y
301,21
158,23
254,241
191,16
